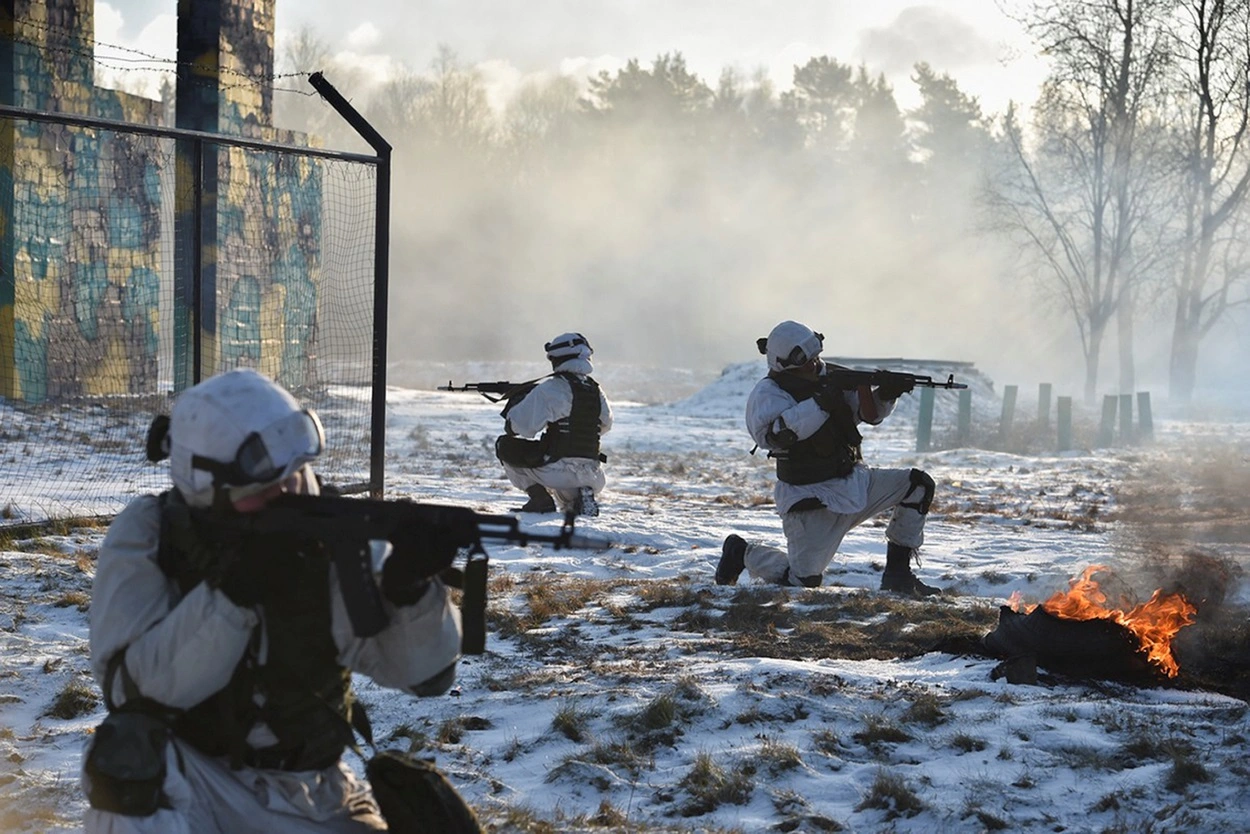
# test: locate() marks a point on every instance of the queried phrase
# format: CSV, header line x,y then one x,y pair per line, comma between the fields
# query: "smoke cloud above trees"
x,y
675,217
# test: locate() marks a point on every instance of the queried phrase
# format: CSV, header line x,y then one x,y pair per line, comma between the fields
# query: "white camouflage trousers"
x,y
210,798
563,477
813,536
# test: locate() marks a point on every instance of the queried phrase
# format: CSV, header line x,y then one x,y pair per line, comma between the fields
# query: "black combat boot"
x,y
540,500
732,560
898,576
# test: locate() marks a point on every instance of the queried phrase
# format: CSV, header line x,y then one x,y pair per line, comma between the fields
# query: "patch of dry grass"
x,y
879,731
890,793
77,599
76,698
709,785
852,626
571,722
777,757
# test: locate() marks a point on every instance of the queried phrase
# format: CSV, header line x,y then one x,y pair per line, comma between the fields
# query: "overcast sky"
x,y
973,40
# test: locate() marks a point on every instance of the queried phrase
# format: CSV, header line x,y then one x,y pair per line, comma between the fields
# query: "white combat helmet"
x,y
791,345
567,347
239,432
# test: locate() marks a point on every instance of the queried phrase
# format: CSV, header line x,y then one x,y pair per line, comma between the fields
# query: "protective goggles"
x,y
579,339
270,454
803,353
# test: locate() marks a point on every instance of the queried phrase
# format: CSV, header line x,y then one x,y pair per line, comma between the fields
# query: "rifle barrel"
x,y
851,377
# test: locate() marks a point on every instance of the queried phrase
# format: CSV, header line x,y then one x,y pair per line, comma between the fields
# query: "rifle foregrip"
x,y
473,607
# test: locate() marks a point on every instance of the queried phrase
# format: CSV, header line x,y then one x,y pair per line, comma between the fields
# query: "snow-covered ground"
x,y
625,691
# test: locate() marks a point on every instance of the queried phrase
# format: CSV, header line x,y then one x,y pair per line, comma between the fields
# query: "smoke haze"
x,y
521,217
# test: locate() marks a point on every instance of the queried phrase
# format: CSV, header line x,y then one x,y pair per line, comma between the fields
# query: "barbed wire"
x,y
167,65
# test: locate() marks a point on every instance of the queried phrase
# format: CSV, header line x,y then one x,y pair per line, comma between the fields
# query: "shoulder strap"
x,y
517,393
169,557
116,666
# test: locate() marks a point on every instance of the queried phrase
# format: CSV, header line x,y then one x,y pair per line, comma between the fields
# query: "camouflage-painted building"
x,y
91,268
79,217
265,271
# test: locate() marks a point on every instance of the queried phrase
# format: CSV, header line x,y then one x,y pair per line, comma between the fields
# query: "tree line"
x,y
649,195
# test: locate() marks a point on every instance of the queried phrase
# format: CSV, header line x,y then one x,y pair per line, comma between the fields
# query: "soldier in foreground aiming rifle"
x,y
806,413
552,427
229,613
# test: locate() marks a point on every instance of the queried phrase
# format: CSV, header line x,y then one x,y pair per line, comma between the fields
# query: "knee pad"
x,y
921,480
810,581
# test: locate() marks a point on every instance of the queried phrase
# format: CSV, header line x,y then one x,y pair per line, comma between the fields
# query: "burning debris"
x,y
1076,632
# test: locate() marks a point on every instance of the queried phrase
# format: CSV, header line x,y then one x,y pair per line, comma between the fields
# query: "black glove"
x,y
419,550
895,386
829,397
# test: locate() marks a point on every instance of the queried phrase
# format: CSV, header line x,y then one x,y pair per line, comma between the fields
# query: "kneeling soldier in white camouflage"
x,y
823,487
571,413
227,670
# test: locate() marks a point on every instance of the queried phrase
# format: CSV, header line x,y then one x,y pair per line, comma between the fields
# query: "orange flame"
x,y
1154,623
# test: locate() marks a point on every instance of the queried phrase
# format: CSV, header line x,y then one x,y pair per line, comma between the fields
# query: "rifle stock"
x,y
347,526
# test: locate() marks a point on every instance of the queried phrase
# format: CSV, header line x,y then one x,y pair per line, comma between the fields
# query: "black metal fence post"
x,y
381,273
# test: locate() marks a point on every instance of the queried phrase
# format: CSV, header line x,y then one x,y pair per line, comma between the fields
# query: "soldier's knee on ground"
x,y
920,496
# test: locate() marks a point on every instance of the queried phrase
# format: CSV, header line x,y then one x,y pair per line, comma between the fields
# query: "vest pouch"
x,y
517,451
416,798
125,765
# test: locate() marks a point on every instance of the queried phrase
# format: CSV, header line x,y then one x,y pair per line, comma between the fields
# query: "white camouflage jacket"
x,y
552,400
771,409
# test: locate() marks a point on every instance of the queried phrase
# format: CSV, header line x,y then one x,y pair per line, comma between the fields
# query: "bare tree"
x,y
537,121
395,107
1080,199
453,108
1212,112
296,105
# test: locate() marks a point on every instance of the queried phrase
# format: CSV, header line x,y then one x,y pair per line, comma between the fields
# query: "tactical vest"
x,y
577,435
831,452
301,692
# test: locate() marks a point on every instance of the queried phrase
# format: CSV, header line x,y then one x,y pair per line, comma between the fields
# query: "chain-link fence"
x,y
136,260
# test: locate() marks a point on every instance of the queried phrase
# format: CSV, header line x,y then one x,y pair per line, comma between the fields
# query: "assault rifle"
x,y
846,379
347,526
502,390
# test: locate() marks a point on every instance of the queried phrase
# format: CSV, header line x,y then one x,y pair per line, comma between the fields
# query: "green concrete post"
x,y
924,424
